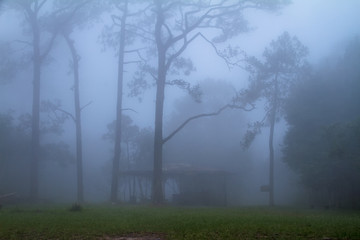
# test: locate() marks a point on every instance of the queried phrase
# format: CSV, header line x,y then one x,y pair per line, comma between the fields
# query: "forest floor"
x,y
119,222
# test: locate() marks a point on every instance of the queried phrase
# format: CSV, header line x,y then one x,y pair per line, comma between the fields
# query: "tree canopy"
x,y
323,141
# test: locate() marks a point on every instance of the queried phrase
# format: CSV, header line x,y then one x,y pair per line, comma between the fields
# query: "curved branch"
x,y
231,106
223,56
41,4
138,53
181,50
140,11
169,32
49,46
67,113
129,109
132,62
206,15
23,42
58,28
140,35
85,105
115,18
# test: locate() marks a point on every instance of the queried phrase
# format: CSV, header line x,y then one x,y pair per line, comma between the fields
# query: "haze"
x,y
207,145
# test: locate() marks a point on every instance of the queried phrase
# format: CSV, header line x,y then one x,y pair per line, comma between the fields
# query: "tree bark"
x,y
271,159
35,131
157,190
117,146
79,158
80,184
271,141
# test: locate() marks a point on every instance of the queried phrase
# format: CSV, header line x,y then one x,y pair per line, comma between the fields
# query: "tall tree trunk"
x,y
79,158
271,158
117,147
157,190
271,141
35,127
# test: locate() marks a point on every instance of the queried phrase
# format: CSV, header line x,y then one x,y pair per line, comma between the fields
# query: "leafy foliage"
x,y
8,65
137,143
15,151
251,132
284,62
129,130
194,91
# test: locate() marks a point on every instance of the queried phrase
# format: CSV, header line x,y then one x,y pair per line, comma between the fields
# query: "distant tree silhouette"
x,y
40,42
284,62
120,35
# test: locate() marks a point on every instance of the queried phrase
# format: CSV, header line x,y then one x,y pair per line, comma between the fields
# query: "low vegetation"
x,y
130,222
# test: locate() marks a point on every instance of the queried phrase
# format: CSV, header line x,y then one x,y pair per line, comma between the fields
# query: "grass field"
x,y
117,222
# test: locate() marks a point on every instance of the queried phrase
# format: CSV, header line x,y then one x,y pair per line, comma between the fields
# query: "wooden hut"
x,y
183,185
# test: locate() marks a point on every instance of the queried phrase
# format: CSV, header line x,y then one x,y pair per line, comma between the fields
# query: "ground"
x,y
118,222
148,236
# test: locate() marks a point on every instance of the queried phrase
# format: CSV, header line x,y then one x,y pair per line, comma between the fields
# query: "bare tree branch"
x,y
141,35
129,109
58,28
85,105
41,4
134,50
171,4
49,46
119,7
114,18
188,29
181,50
223,56
138,53
131,62
169,32
138,12
153,76
230,106
24,42
66,112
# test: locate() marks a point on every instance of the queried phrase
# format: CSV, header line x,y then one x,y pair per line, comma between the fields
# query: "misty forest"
x,y
186,103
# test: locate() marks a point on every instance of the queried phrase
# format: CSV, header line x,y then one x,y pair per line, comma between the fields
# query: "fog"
x,y
206,145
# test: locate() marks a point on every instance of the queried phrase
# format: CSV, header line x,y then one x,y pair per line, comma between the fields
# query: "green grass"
x,y
96,222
